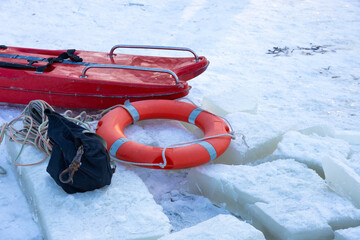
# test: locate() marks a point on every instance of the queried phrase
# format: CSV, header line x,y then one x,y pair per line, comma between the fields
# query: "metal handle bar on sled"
x,y
111,54
130,68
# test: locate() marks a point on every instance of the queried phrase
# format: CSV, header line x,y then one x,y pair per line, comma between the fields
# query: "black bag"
x,y
79,160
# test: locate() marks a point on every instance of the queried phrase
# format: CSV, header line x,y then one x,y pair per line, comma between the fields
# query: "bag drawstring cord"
x,y
73,167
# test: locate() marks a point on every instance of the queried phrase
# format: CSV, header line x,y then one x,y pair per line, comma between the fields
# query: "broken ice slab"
x,y
322,130
310,149
224,227
261,138
284,199
343,176
227,102
123,210
348,234
354,161
352,137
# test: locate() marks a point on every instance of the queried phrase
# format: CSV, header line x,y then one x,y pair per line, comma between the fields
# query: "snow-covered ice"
x,y
347,234
286,67
224,103
229,226
261,138
353,137
284,198
310,149
17,219
123,210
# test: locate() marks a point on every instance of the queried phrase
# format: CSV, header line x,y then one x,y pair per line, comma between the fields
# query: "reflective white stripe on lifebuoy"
x,y
194,114
116,145
133,112
211,150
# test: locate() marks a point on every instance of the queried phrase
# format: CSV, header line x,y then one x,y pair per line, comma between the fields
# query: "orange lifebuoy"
x,y
111,128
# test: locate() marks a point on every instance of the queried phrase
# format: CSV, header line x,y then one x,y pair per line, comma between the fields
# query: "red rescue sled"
x,y
98,80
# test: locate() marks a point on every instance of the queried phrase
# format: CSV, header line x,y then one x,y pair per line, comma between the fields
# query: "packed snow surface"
x,y
286,74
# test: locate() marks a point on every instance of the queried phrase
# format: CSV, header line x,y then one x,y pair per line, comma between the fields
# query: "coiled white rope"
x,y
34,129
35,126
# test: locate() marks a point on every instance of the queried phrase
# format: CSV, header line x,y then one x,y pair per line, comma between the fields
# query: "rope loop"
x,y
73,167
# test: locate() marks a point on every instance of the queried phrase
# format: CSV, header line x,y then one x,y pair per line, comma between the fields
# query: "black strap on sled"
x,y
40,69
16,65
69,54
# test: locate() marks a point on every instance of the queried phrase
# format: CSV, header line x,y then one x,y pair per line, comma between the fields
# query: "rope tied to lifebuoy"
x,y
162,165
201,141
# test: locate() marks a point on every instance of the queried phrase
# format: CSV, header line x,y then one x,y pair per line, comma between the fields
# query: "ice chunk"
x,y
321,130
123,210
261,136
354,161
342,178
310,149
225,103
225,227
283,198
348,234
352,137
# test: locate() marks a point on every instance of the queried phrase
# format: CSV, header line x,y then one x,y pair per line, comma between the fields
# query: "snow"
x,y
284,73
230,226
